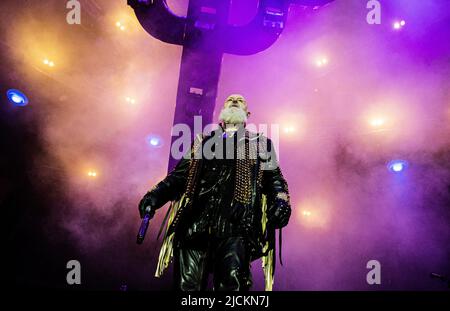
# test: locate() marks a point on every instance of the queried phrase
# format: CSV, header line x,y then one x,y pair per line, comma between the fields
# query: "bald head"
x,y
236,100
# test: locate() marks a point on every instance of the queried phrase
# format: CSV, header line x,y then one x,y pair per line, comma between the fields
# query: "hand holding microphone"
x,y
147,211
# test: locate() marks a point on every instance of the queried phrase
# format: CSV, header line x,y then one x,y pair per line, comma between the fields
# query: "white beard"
x,y
233,115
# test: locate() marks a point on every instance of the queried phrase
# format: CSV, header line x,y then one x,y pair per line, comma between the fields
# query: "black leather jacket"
x,y
213,209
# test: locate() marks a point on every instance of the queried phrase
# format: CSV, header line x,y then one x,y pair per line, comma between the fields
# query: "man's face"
x,y
236,100
234,110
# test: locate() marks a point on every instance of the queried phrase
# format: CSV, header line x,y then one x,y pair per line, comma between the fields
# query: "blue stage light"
x,y
154,141
397,166
17,98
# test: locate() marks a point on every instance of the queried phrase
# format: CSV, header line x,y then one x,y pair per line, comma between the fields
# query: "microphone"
x,y
144,225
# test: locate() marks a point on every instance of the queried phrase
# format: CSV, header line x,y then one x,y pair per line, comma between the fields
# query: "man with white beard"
x,y
234,112
226,205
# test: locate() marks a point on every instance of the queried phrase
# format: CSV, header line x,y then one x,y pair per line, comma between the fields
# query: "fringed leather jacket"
x,y
246,195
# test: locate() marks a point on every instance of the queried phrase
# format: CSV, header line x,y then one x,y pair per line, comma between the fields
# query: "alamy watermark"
x,y
373,17
74,275
215,146
74,15
374,275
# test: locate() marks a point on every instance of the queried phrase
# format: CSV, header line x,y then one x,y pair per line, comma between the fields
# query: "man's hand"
x,y
278,213
147,202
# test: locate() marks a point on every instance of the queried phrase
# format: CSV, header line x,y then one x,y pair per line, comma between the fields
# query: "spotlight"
x,y
48,62
321,62
306,213
292,126
398,24
92,174
120,26
130,100
397,166
377,122
289,129
154,141
313,213
17,98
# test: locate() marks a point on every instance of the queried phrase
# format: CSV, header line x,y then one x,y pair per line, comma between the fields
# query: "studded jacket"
x,y
225,197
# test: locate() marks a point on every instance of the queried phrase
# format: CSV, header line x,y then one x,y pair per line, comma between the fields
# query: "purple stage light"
x,y
397,25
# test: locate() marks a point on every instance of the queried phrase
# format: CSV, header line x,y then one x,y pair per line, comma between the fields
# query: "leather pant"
x,y
226,258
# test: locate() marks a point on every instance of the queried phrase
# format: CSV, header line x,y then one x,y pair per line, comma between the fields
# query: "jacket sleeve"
x,y
172,186
274,185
